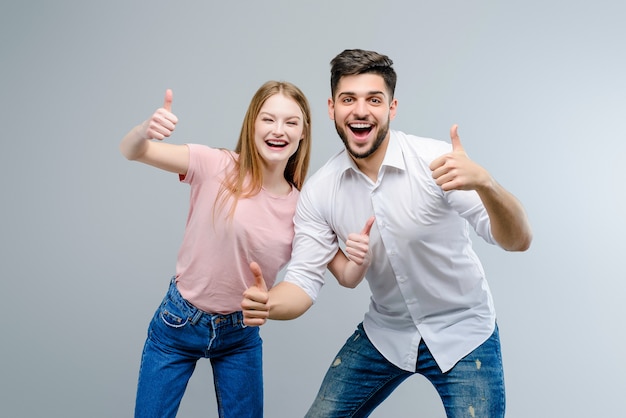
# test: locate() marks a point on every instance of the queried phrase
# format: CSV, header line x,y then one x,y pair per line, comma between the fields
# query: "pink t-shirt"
x,y
212,270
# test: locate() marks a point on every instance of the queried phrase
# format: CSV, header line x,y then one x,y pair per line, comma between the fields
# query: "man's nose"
x,y
360,108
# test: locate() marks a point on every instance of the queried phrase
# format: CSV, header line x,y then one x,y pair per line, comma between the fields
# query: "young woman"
x,y
241,212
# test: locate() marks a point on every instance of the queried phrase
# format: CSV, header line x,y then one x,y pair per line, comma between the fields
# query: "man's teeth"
x,y
360,126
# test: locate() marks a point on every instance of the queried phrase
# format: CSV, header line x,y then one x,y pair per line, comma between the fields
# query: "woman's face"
x,y
278,130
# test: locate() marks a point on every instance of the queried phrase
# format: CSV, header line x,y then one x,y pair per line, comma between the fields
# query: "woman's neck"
x,y
274,182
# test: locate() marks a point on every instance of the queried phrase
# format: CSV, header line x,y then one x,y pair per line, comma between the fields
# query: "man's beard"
x,y
382,133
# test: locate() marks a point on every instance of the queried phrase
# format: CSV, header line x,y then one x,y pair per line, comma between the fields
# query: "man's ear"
x,y
393,108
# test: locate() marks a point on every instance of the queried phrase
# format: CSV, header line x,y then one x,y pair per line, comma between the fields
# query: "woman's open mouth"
x,y
276,143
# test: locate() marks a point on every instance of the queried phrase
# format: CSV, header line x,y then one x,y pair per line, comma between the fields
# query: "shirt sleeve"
x,y
315,243
466,203
469,206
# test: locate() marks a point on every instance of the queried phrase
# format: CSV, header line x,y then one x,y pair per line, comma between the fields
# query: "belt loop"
x,y
196,316
238,319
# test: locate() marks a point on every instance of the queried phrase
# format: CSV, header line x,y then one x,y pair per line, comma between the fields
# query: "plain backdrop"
x,y
89,239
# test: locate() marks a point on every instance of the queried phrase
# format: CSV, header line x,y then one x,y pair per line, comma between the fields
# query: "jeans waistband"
x,y
197,316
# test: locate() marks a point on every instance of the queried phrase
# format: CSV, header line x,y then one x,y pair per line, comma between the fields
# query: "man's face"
x,y
362,109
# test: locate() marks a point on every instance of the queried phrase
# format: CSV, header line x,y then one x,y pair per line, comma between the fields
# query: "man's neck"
x,y
370,166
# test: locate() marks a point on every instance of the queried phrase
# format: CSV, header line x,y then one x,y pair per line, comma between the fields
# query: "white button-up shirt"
x,y
426,280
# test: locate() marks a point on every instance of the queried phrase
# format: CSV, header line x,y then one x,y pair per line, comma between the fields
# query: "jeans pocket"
x,y
172,316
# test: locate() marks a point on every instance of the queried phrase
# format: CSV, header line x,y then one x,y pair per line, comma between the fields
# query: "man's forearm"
x,y
288,301
509,223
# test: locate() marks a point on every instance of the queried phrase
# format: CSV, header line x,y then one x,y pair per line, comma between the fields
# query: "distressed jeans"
x,y
360,379
178,336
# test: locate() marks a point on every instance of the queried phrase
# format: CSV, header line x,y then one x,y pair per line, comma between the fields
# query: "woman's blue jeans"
x,y
360,379
178,336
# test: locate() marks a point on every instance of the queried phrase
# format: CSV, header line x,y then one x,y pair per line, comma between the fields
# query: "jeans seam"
x,y
374,392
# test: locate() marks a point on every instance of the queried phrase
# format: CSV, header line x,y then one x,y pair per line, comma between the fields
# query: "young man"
x,y
431,310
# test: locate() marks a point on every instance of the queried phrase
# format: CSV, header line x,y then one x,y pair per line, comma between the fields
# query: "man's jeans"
x,y
178,336
360,378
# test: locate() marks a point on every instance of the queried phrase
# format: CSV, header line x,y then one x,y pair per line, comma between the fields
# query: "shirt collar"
x,y
394,157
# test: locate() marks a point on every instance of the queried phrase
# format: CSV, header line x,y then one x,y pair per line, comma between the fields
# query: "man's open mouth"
x,y
360,130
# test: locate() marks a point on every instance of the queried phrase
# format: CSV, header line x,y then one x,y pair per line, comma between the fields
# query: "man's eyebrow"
x,y
369,93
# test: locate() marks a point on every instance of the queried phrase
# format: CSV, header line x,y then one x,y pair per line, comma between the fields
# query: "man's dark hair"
x,y
359,61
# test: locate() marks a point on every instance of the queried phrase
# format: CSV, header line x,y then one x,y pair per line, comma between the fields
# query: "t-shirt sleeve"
x,y
204,162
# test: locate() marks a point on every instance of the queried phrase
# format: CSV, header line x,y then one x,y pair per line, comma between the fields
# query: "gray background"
x,y
89,239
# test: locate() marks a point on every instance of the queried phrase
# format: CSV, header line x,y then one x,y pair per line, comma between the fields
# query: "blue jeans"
x,y
360,379
178,336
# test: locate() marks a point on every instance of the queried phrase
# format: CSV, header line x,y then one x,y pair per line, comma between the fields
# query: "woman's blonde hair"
x,y
246,177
